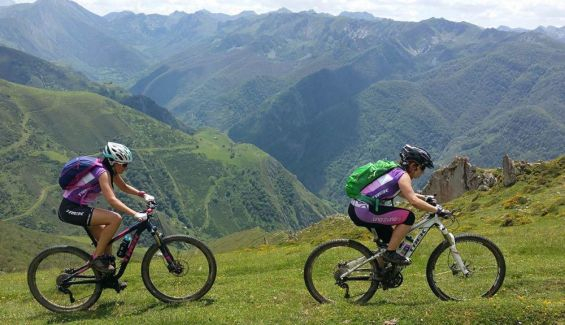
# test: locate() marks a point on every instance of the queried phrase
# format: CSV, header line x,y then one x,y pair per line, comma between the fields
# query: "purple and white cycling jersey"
x,y
87,189
383,188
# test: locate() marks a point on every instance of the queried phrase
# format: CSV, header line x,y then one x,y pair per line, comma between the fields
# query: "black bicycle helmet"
x,y
417,154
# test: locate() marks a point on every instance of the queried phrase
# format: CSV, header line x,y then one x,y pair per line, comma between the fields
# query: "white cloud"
x,y
486,13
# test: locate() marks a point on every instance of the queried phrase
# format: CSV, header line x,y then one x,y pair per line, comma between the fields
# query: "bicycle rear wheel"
x,y
47,272
324,269
481,257
192,275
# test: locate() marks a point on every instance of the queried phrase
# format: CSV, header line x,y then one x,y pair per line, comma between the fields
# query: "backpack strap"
x,y
373,201
106,164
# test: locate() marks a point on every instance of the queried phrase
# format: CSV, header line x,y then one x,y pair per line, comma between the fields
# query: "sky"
x,y
527,14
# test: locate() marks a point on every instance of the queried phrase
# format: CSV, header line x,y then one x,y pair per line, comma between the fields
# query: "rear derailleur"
x,y
340,270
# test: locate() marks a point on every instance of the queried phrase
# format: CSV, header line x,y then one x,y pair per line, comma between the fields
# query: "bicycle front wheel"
x,y
337,270
482,258
189,274
54,282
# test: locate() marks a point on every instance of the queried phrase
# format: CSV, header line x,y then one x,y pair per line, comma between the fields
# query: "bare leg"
x,y
96,231
398,235
104,225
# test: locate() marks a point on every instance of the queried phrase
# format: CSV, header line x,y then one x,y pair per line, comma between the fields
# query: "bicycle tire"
x,y
46,269
202,258
329,268
481,256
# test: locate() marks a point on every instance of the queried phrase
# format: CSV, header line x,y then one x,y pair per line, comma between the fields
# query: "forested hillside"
x,y
484,105
25,69
205,183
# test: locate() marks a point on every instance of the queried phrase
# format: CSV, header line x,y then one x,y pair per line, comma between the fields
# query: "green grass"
x,y
264,285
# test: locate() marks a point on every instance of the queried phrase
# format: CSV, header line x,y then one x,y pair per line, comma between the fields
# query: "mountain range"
x,y
321,94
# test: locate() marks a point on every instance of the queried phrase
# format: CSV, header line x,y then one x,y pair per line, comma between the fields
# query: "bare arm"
x,y
126,188
421,196
110,196
414,199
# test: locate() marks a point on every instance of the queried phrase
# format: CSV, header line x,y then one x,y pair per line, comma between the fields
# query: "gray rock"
x,y
457,178
508,171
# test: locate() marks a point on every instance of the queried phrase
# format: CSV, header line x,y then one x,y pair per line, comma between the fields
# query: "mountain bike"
x,y
174,269
461,267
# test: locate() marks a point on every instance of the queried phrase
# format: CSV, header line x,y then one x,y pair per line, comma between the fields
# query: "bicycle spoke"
x,y
188,275
486,270
326,269
50,285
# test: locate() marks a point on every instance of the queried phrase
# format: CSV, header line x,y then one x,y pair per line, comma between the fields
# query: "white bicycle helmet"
x,y
117,153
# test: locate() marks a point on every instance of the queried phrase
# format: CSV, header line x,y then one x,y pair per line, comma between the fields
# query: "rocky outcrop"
x,y
457,178
508,171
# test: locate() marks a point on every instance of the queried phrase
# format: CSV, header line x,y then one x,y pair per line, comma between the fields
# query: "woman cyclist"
x,y
101,223
413,162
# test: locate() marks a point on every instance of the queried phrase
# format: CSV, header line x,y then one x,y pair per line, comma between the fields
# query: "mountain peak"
x,y
119,15
64,7
283,10
247,13
54,3
358,15
202,12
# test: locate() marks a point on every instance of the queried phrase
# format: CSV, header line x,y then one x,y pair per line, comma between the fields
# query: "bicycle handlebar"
x,y
150,207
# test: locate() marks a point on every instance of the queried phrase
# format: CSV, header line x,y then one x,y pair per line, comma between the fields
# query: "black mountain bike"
x,y
174,269
459,268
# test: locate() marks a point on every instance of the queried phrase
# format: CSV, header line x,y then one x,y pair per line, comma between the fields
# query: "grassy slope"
x,y
204,181
265,286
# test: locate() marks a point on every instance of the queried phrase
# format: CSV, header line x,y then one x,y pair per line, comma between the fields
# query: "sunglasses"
x,y
123,165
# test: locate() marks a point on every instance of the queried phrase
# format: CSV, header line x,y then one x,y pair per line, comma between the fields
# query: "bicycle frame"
x,y
138,228
432,220
429,221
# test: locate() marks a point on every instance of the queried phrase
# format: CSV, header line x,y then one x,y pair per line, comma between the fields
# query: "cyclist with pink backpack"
x,y
83,179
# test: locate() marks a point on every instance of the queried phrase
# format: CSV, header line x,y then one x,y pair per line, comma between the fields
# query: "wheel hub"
x,y
178,268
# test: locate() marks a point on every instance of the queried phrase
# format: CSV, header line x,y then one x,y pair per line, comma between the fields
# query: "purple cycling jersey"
x,y
385,187
87,189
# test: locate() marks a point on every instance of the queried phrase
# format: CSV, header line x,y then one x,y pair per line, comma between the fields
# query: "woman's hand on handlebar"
x,y
140,216
443,213
431,199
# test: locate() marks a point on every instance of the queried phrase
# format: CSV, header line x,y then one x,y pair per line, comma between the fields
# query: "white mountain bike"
x,y
461,267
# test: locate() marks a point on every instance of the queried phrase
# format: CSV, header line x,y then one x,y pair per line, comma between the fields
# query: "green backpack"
x,y
363,176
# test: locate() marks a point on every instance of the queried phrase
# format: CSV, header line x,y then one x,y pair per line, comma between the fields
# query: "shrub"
x,y
515,220
514,202
474,206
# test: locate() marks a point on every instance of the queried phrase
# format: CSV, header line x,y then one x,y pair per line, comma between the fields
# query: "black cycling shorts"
x,y
76,214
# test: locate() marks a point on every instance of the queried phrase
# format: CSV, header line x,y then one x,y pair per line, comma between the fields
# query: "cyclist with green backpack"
x,y
83,179
374,183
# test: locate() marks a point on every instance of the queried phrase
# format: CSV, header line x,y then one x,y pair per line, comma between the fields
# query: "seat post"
x,y
380,244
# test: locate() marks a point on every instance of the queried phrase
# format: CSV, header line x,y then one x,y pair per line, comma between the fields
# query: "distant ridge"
x,y
25,69
358,15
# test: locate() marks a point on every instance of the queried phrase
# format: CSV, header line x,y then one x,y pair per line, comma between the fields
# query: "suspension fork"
x,y
454,252
171,265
